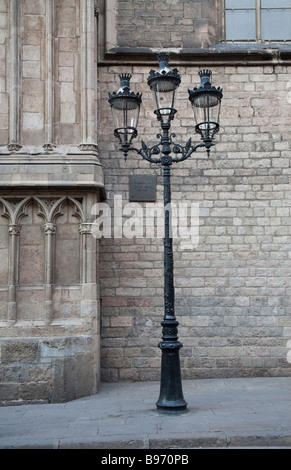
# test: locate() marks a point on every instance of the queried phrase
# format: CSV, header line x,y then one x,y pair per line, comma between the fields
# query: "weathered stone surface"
x,y
8,392
64,380
53,369
19,351
167,24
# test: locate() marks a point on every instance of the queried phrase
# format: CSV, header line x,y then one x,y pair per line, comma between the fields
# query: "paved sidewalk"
x,y
229,413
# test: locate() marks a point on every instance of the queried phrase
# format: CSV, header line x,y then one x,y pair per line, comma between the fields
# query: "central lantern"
x,y
163,84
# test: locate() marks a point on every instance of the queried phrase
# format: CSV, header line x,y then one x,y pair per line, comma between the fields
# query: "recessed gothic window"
x,y
255,20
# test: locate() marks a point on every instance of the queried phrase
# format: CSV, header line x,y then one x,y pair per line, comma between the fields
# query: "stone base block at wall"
x,y
49,369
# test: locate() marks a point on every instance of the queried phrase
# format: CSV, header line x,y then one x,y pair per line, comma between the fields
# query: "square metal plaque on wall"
x,y
142,188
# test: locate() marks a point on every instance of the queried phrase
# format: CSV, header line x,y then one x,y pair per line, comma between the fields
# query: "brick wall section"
x,y
182,23
232,291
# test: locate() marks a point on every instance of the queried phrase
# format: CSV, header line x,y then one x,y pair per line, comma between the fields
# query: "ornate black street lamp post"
x,y
125,106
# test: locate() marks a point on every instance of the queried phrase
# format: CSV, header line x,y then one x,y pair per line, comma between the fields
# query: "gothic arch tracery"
x,y
16,210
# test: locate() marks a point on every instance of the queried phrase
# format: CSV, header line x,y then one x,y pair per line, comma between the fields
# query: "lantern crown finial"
x,y
163,56
124,79
163,59
205,75
125,76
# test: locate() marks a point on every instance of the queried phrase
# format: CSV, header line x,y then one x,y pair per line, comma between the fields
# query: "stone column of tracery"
x,y
88,270
85,230
49,230
14,232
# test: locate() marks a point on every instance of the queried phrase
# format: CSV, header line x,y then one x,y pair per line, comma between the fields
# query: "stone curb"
x,y
277,440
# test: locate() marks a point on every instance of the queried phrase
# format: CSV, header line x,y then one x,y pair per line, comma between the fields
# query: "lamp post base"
x,y
166,409
171,399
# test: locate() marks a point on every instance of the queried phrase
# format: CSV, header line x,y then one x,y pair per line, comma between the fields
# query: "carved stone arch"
x,y
43,209
30,215
66,215
8,210
22,207
59,206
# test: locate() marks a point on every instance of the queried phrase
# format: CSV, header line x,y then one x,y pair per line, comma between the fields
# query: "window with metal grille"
x,y
258,20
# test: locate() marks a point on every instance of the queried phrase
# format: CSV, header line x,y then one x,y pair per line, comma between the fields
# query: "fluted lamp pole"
x,y
125,104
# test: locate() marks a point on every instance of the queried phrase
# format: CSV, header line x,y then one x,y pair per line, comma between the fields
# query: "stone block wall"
x,y
232,289
144,26
175,24
35,370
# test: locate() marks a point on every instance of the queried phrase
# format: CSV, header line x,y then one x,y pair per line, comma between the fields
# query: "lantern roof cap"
x,y
205,86
125,91
164,72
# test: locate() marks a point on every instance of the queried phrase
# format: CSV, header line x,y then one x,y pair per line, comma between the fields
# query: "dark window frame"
x,y
258,10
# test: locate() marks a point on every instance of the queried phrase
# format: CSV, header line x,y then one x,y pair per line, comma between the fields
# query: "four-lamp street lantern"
x,y
125,104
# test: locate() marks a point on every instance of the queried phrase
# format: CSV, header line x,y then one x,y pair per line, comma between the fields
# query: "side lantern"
x,y
206,101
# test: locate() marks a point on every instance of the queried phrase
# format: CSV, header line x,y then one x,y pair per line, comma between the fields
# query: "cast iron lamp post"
x,y
125,105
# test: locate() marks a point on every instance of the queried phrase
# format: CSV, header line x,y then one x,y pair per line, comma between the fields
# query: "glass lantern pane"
x,y
276,4
240,25
206,111
164,96
276,24
125,114
131,118
238,4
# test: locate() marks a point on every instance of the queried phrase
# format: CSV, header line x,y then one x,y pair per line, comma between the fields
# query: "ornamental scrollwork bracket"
x,y
182,152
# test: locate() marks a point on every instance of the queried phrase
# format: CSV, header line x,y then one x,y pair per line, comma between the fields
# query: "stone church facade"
x,y
76,310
